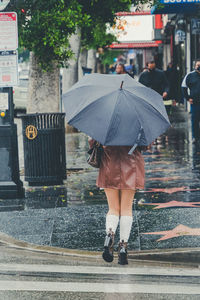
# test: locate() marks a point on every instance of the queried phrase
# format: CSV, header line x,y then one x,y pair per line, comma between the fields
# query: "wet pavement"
x,y
166,213
26,274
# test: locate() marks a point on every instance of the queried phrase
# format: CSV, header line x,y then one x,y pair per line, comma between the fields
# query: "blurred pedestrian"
x,y
120,175
172,77
111,69
192,82
120,69
134,70
155,79
145,68
131,70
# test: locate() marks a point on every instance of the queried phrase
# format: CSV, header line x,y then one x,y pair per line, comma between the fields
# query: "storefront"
x,y
195,39
141,33
180,40
184,41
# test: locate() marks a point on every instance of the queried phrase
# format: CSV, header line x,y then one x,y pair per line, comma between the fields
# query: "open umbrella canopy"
x,y
115,110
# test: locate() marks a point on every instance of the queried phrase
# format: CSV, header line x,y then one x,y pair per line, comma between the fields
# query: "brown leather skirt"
x,y
119,170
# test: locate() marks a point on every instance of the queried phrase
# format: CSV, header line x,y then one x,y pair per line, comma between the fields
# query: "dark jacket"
x,y
192,81
172,77
155,80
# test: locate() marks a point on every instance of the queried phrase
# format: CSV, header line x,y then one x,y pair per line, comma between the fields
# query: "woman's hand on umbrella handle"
x,y
91,142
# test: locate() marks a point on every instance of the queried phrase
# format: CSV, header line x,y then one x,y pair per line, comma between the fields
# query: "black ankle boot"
x,y
108,247
122,253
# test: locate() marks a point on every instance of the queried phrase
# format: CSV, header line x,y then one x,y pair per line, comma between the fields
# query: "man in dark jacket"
x,y
155,79
172,76
192,82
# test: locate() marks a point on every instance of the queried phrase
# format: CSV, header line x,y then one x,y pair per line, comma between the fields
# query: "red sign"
x,y
136,45
8,31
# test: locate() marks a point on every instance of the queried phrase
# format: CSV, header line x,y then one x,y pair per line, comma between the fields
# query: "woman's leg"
x,y
112,217
112,220
126,214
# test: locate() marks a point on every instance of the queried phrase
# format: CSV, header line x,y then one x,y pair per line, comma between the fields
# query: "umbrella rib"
x,y
139,120
112,118
135,106
140,99
137,112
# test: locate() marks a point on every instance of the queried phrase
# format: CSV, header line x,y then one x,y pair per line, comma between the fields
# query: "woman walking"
x,y
120,175
117,110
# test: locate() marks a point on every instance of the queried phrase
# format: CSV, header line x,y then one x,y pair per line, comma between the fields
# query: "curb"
x,y
178,257
14,243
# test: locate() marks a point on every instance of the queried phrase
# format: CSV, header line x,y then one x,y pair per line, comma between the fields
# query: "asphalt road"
x,y
31,275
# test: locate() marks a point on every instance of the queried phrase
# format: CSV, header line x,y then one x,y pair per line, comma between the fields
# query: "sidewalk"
x,y
72,216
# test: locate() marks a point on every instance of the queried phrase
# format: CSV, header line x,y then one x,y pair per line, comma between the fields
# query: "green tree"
x,y
101,12
45,28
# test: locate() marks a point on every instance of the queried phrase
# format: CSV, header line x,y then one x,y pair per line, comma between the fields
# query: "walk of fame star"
x,y
163,178
161,170
179,230
171,190
173,204
163,162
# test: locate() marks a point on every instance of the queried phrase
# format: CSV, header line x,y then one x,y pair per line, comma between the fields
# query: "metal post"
x,y
188,49
10,184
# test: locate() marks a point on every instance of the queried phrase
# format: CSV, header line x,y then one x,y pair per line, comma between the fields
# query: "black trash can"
x,y
44,148
86,70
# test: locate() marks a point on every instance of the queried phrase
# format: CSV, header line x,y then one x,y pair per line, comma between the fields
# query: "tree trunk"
x,y
100,67
70,75
43,90
92,60
82,62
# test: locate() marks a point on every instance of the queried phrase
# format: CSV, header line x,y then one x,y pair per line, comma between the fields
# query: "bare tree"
x,y
43,90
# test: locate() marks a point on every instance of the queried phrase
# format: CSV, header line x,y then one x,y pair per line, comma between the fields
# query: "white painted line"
x,y
99,270
92,287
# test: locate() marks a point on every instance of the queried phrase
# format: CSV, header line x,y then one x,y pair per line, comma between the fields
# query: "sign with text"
x,y
3,101
179,1
133,28
8,68
195,26
180,36
8,31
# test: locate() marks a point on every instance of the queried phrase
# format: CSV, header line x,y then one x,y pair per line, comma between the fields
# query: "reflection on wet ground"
x,y
73,215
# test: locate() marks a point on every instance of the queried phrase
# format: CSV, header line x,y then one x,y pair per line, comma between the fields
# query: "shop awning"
x,y
135,45
175,8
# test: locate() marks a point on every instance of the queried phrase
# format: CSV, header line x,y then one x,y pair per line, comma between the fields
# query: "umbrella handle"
x,y
132,149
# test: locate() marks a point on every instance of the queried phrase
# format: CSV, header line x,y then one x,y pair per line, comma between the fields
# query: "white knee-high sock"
x,y
111,222
125,227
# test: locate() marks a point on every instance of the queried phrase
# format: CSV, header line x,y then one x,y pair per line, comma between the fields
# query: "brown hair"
x,y
123,67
